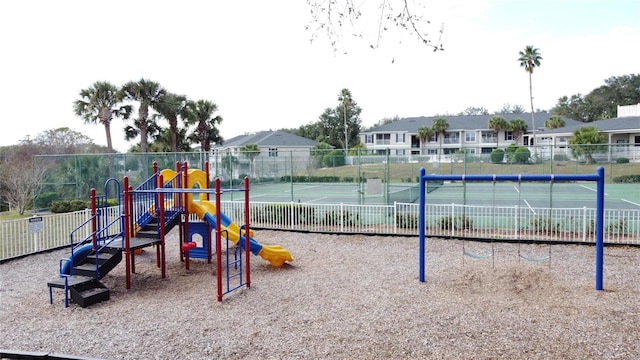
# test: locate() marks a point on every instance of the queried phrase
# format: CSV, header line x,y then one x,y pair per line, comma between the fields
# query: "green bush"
x,y
560,157
510,153
497,156
622,161
45,199
458,222
334,158
522,155
627,179
407,221
65,206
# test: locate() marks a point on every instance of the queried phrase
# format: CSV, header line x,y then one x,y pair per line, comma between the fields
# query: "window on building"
x,y
400,138
489,137
508,135
400,152
368,139
451,138
469,136
487,150
273,152
432,151
383,139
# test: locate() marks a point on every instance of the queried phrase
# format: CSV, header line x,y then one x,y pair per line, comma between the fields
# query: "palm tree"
x,y
346,99
201,113
530,59
170,106
554,122
100,103
517,127
424,134
440,126
162,141
498,123
251,151
148,94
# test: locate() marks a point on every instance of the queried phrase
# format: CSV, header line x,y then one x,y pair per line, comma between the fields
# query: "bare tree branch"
x,y
333,17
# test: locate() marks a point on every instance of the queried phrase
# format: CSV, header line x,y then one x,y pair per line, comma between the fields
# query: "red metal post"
x,y
208,238
93,219
247,231
218,241
185,200
128,207
177,197
161,225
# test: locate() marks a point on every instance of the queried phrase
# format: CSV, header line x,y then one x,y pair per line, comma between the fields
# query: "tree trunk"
x,y
143,112
533,119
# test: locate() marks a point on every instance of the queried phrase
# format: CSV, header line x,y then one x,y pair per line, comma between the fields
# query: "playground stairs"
x,y
151,231
84,286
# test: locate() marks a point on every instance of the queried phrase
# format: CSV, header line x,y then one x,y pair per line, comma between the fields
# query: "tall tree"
x,y
424,134
498,123
201,114
554,122
440,126
162,141
345,98
510,109
517,128
586,141
100,103
20,180
170,106
251,151
64,141
147,93
530,59
602,102
471,110
331,125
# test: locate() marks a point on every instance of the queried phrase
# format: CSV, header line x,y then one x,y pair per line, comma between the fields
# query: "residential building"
x,y
469,132
472,133
278,150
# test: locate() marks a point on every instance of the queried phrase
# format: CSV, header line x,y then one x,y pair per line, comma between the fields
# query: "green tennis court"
x,y
525,194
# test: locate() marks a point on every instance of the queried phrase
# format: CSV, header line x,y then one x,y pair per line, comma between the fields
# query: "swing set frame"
x,y
598,178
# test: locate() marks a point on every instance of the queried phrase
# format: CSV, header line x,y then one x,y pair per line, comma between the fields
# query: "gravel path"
x,y
343,297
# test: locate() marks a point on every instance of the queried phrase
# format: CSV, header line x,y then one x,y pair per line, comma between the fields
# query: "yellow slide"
x,y
206,210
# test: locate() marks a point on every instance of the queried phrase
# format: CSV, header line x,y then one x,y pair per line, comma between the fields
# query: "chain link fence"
x,y
395,176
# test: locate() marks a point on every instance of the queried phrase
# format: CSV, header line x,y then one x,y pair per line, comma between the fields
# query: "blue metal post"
x,y
421,217
600,228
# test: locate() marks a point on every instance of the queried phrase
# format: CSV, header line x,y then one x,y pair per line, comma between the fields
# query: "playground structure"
x,y
598,177
145,216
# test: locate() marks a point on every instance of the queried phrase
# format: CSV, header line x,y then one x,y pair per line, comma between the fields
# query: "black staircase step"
x,y
85,269
72,281
103,257
89,293
149,234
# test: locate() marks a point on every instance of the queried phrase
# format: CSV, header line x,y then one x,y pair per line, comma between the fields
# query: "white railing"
x,y
456,221
17,239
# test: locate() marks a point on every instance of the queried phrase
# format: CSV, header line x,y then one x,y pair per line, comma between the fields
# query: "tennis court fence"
x,y
572,225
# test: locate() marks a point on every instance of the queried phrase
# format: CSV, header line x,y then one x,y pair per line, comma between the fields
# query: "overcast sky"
x,y
255,60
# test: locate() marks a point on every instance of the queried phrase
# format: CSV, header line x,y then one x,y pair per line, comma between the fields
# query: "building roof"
x,y
620,124
270,138
465,122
